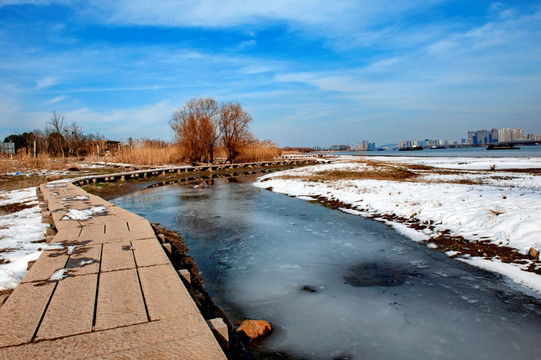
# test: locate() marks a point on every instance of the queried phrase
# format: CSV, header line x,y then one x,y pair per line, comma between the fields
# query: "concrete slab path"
x,y
103,288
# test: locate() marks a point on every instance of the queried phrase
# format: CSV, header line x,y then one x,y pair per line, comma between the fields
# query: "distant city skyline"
x,y
309,72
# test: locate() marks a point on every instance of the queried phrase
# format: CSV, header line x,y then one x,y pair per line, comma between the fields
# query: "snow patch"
x,y
54,246
58,275
85,214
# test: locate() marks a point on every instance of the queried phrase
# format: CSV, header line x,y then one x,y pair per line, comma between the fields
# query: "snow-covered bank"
x,y
503,208
21,236
466,163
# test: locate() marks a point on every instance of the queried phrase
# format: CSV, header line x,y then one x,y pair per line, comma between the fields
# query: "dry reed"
x,y
258,152
25,162
148,154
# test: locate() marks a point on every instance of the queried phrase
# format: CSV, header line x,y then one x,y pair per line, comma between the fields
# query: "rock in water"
x,y
254,328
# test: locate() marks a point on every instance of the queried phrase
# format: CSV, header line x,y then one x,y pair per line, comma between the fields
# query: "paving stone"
x,y
220,331
106,343
63,224
122,213
120,301
116,227
71,309
94,233
165,294
46,265
149,252
117,256
68,234
193,348
54,204
84,260
22,312
140,229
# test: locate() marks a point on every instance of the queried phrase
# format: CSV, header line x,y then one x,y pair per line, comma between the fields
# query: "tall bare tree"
x,y
56,129
233,126
74,138
195,129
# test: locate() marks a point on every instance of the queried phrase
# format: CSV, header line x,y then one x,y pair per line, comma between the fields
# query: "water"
x,y
524,151
335,285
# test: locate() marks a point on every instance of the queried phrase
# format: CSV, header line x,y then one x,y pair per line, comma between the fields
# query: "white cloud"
x,y
46,82
56,99
247,44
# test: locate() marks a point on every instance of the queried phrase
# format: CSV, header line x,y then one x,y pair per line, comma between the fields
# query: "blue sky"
x,y
309,72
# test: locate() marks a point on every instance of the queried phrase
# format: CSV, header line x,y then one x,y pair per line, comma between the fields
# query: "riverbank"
x,y
487,218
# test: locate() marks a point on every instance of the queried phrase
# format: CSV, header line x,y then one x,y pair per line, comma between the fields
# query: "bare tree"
x,y
195,129
56,130
41,140
74,138
233,126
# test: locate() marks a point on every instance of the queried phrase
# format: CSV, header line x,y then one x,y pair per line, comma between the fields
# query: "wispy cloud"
x,y
46,82
56,99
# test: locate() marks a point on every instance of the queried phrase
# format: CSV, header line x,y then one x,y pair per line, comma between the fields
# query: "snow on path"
x,y
506,212
20,234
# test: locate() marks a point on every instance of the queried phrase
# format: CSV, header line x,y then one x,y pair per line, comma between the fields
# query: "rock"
x,y
73,167
533,254
254,328
52,177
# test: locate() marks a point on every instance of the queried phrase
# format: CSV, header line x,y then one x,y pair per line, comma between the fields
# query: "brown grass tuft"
x,y
388,173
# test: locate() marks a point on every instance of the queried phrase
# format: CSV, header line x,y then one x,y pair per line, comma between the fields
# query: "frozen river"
x,y
335,285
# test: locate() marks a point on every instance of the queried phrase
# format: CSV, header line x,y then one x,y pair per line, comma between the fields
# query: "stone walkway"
x,y
103,288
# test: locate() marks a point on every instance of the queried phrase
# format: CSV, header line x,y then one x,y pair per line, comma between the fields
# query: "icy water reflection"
x,y
336,285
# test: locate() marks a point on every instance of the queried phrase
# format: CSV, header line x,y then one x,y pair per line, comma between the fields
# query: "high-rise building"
x,y
517,134
504,135
365,146
493,136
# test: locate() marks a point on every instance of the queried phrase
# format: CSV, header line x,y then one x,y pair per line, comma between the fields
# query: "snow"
x,y
58,275
21,234
466,163
54,246
502,207
85,214
75,198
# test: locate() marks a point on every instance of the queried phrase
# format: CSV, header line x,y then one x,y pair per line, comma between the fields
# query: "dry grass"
x,y
388,173
258,152
374,171
466,182
24,162
149,154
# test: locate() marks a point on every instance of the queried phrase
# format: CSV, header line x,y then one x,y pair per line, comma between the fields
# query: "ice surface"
x,y
259,252
504,208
